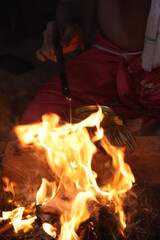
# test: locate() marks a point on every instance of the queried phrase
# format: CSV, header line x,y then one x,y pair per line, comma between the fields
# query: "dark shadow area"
x,y
21,74
22,19
14,64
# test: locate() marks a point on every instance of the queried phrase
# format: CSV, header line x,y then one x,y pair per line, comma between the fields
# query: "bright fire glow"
x,y
70,150
49,229
47,188
16,219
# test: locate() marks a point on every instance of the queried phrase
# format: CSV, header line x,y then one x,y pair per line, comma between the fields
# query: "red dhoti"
x,y
106,76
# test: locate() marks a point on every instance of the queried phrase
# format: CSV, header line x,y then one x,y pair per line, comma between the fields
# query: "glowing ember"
x,y
70,150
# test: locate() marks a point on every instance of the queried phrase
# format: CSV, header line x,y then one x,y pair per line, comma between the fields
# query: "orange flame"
x,y
9,187
49,229
47,188
16,219
70,149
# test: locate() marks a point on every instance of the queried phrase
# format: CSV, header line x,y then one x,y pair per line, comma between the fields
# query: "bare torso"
x,y
123,22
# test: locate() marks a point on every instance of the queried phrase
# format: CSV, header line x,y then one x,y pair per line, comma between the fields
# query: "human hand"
x,y
69,36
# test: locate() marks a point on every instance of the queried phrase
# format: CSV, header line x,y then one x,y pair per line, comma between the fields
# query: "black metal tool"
x,y
62,70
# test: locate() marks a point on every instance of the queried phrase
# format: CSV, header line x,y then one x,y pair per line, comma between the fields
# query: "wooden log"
x,y
2,148
25,168
145,160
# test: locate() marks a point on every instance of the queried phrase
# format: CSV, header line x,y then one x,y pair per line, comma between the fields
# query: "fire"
x,y
16,219
70,149
49,229
47,188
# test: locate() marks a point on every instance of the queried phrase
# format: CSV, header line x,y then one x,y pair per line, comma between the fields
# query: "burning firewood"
x,y
62,184
25,169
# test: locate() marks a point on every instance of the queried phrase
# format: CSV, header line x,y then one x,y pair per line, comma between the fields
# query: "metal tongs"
x,y
62,68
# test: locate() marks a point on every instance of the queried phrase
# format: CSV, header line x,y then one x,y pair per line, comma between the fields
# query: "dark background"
x,y
23,18
22,23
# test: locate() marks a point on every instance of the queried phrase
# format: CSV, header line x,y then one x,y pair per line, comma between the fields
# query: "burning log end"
x,y
46,214
88,230
5,227
39,221
39,215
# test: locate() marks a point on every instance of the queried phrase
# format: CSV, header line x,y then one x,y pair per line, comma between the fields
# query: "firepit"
x,y
58,184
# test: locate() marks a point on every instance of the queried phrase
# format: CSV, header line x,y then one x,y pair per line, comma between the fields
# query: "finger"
x,y
44,54
67,36
40,56
74,44
50,35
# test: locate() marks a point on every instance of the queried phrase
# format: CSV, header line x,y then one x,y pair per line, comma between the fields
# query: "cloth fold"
x,y
105,75
151,51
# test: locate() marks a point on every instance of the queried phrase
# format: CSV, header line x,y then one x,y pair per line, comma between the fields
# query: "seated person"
x,y
118,70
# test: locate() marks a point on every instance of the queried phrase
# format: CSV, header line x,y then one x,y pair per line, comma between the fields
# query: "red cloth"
x,y
100,77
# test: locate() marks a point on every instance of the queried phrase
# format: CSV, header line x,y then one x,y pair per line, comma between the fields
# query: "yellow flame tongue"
x,y
70,149
16,219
